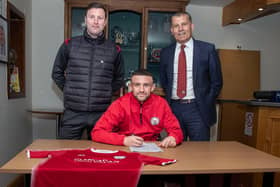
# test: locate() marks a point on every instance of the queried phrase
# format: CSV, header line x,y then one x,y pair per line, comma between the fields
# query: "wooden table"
x,y
193,158
50,111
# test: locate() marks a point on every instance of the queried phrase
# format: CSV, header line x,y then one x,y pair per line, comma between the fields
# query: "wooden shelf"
x,y
248,10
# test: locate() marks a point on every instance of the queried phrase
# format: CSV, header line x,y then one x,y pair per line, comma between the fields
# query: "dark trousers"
x,y
191,121
75,122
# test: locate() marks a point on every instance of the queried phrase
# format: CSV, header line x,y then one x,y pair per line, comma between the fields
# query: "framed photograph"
x,y
3,8
3,41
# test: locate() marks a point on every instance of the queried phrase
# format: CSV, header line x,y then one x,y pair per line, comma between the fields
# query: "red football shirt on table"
x,y
90,167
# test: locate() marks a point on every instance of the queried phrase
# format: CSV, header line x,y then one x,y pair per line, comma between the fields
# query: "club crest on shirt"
x,y
154,120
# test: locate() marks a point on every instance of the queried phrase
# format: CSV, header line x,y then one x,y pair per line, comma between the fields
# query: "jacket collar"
x,y
145,103
99,40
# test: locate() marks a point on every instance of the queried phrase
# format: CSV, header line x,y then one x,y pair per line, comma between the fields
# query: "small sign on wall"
x,y
248,130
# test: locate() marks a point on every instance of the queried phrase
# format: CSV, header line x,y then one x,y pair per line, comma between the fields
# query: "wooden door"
x,y
241,73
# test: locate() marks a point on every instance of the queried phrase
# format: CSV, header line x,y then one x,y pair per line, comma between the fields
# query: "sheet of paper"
x,y
146,147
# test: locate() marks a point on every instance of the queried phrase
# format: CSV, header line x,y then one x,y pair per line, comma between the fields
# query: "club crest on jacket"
x,y
154,120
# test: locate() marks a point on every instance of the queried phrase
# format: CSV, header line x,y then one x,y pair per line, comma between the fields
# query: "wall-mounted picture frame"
x,y
3,8
3,40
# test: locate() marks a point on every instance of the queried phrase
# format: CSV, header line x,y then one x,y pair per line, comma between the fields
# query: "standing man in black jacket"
x,y
88,69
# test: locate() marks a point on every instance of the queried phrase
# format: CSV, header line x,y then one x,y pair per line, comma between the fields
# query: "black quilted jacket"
x,y
88,71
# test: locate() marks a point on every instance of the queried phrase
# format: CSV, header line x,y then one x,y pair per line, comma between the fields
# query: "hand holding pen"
x,y
133,141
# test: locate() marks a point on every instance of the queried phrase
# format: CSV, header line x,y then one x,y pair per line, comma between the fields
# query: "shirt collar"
x,y
189,44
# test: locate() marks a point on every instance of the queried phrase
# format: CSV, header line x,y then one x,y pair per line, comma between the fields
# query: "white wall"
x,y
47,36
15,123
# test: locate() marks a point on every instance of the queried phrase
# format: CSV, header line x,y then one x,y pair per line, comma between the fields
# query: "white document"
x,y
146,147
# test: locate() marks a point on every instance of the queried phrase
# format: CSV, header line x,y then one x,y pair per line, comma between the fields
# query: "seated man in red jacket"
x,y
138,116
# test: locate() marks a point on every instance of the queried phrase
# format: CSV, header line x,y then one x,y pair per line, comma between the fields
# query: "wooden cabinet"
x,y
244,10
264,125
241,73
143,28
241,76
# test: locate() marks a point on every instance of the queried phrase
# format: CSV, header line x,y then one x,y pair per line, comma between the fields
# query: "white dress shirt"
x,y
189,59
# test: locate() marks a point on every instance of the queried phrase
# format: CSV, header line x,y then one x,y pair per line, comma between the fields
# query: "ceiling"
x,y
216,3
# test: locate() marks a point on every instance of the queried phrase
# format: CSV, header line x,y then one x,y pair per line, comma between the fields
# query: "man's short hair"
x,y
96,5
181,14
142,72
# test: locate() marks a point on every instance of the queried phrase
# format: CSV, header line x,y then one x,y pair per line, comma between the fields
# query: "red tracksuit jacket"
x,y
126,116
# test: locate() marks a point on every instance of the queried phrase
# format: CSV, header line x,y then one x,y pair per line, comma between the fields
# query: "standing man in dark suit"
x,y
190,74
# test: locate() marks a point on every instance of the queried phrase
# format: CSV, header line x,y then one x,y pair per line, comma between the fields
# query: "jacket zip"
x,y
141,113
90,75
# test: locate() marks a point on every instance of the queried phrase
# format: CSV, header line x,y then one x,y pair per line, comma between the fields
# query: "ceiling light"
x,y
239,19
260,9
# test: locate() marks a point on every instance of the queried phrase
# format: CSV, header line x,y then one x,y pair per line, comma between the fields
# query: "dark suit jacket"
x,y
207,77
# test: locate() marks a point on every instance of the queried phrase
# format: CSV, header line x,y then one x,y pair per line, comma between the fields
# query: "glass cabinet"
x,y
125,30
159,36
78,24
140,28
